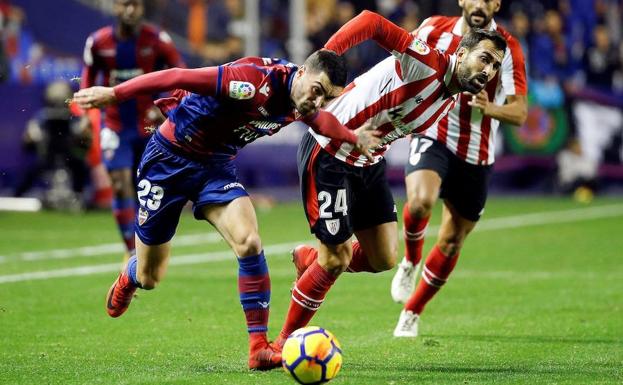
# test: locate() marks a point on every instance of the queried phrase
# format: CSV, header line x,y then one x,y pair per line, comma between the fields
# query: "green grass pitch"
x,y
537,298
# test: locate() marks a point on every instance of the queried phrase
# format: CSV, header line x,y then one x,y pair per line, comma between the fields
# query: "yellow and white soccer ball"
x,y
312,355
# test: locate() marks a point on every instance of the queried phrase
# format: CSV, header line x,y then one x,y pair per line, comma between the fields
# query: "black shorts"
x,y
340,199
464,185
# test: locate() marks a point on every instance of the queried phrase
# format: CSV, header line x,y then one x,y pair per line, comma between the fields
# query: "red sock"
x,y
414,232
435,273
360,261
307,296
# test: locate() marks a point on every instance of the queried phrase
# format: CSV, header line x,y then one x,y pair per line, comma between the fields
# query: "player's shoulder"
x,y
511,41
103,34
261,66
441,22
152,32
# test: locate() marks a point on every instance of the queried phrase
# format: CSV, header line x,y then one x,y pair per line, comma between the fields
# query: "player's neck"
x,y
124,31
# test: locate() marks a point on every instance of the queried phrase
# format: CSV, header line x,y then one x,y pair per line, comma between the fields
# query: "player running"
x,y
115,54
190,157
453,159
345,192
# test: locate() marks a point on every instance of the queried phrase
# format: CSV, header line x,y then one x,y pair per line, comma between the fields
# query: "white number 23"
x,y
153,193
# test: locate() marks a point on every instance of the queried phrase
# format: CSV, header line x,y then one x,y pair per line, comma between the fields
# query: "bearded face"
x,y
478,66
478,13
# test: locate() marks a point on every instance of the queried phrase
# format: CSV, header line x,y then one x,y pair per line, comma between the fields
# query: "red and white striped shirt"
x,y
403,94
465,130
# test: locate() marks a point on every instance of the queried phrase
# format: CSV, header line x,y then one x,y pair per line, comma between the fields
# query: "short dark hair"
x,y
330,63
475,36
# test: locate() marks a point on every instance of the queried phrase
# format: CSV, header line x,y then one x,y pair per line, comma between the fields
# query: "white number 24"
x,y
340,203
145,188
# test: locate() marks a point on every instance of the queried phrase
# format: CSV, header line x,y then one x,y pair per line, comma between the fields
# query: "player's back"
x,y
252,100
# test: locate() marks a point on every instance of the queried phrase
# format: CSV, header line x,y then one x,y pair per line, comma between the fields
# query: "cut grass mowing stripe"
x,y
188,259
107,248
533,219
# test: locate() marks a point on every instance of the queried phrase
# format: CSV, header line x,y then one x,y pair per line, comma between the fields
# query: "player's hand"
x,y
95,97
479,100
367,139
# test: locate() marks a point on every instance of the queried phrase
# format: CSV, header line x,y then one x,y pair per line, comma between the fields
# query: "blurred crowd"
x,y
574,51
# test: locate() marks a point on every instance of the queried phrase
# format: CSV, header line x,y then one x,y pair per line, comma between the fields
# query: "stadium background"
x,y
536,297
574,51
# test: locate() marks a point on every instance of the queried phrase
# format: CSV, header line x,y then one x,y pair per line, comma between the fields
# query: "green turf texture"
x,y
538,304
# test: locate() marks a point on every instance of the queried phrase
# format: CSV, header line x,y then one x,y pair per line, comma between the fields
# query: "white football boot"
x,y
403,282
407,324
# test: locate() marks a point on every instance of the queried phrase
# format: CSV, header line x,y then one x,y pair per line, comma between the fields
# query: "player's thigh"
x,y
236,222
380,244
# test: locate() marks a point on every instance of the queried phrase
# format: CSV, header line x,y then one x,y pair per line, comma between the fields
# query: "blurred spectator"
x,y
215,29
11,18
60,145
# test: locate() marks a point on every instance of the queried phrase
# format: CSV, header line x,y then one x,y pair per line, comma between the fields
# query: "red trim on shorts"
x,y
311,196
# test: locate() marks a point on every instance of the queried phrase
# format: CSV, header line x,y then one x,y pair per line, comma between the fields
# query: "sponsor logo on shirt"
x,y
420,47
241,90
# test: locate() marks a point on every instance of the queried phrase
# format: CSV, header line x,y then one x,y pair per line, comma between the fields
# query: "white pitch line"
x,y
188,259
106,248
525,220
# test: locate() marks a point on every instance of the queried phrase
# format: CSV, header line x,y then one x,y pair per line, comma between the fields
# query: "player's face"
x,y
311,90
478,13
129,12
476,67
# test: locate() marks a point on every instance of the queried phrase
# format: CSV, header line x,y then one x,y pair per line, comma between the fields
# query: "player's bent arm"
x,y
515,111
369,25
324,123
199,80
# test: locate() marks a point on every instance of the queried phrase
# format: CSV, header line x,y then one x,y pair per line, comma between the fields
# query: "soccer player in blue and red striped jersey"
x,y
112,55
214,113
346,193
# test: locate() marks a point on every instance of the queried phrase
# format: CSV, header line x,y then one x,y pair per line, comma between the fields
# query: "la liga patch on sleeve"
x,y
241,90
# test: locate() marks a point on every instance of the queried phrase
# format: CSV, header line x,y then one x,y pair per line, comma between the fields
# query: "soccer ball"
x,y
312,355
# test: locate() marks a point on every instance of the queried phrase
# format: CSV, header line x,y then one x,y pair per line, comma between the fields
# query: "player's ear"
x,y
497,6
460,54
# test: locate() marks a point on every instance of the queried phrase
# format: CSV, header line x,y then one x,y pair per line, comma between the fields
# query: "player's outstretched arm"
x,y
200,80
369,25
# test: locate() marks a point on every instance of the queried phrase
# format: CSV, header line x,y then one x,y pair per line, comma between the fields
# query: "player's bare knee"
x,y
421,206
337,260
250,245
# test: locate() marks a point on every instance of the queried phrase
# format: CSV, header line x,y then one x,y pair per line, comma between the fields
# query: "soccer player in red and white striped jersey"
x,y
346,193
452,159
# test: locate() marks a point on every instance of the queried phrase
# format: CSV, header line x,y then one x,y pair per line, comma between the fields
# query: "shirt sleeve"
x,y
169,52
514,69
203,81
89,71
324,123
369,25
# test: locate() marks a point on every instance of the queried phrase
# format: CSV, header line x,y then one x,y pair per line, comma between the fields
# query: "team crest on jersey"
x,y
420,47
241,90
333,225
142,216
